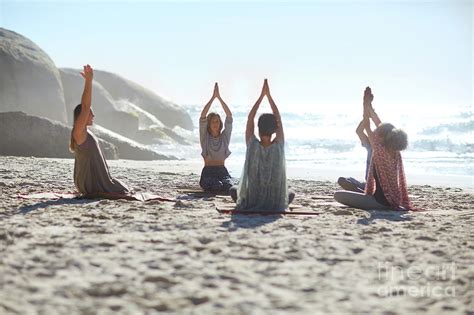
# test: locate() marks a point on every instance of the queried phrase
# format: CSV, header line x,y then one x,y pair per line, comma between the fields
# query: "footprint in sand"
x,y
161,280
357,250
5,236
198,300
342,212
106,289
180,204
205,240
426,238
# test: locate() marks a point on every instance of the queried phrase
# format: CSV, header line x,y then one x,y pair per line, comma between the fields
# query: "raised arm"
x,y
227,111
280,136
360,132
250,130
208,105
368,109
374,116
80,125
366,125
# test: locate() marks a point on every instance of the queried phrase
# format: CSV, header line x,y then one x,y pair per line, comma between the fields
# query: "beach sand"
x,y
72,256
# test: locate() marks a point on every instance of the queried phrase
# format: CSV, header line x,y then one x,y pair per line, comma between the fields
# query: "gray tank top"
x,y
91,173
215,148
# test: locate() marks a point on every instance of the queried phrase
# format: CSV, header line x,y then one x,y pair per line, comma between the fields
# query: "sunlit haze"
x,y
318,55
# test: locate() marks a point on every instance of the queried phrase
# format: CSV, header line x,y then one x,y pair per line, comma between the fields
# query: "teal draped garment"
x,y
263,183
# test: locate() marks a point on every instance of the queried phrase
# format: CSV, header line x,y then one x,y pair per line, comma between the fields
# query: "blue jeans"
x,y
215,178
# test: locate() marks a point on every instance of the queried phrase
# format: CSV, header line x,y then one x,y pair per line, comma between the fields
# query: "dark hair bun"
x,y
267,124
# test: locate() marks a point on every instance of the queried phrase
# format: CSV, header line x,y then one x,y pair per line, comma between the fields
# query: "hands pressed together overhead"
x,y
367,101
368,96
216,93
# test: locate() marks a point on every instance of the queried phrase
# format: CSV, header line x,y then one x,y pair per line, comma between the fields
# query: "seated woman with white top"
x,y
215,146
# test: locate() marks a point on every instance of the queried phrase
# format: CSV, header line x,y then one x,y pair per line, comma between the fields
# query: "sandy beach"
x,y
71,256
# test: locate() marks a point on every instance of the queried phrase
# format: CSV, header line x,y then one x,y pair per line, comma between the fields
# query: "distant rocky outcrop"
x,y
120,116
167,112
151,129
29,80
124,111
103,105
24,135
128,149
159,136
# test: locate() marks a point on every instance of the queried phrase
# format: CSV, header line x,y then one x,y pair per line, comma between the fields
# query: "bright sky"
x,y
318,55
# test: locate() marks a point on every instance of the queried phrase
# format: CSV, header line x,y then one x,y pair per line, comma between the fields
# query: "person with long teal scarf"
x,y
263,183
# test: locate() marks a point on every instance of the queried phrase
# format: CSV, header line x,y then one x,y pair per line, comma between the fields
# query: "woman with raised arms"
x,y
263,183
215,138
91,173
386,186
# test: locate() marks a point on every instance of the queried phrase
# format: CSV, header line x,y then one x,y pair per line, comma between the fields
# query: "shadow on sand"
x,y
248,221
390,215
57,202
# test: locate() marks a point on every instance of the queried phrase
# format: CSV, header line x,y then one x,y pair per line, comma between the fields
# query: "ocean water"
x,y
439,143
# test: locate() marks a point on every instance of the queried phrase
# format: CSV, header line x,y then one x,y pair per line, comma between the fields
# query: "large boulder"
x,y
128,149
29,80
151,129
121,116
103,105
24,135
168,113
156,135
145,119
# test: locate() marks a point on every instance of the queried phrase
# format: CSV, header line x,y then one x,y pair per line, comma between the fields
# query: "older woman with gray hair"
x,y
350,183
386,186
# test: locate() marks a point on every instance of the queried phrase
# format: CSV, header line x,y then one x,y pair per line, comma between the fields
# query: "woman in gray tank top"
x,y
91,173
215,146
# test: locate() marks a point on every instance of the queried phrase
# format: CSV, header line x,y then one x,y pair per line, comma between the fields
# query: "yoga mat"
x,y
226,209
203,193
140,196
50,195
